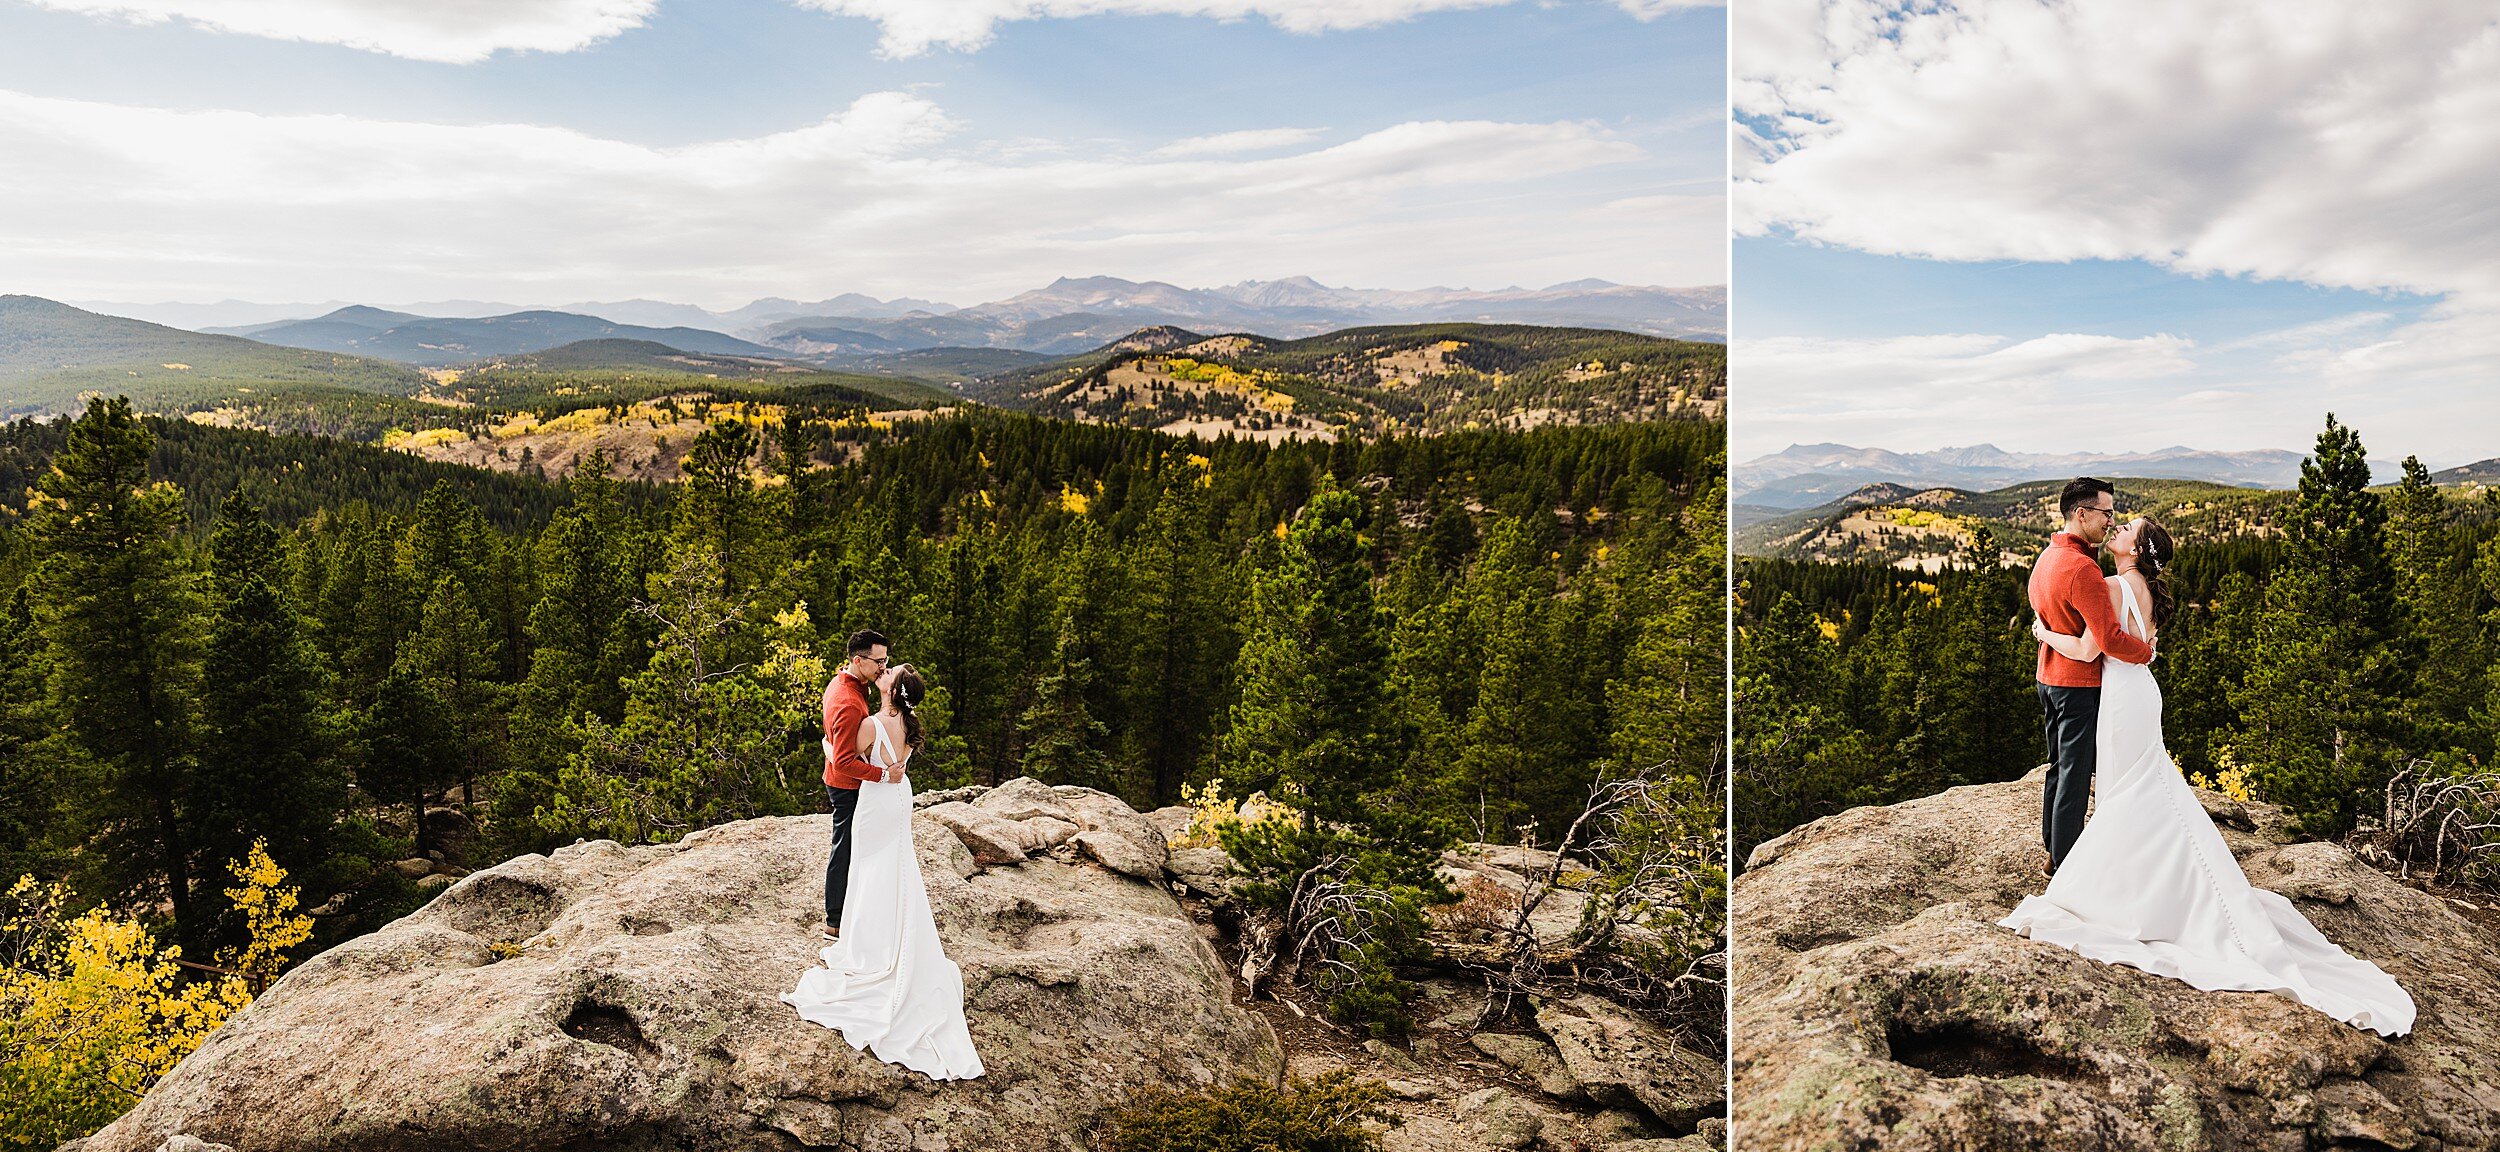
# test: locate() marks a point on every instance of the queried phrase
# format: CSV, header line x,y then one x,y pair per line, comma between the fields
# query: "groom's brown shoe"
x,y
828,931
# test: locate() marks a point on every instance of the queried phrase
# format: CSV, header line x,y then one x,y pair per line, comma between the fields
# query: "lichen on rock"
x,y
1878,1004
625,998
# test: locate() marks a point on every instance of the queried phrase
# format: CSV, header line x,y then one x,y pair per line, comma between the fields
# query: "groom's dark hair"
x,y
865,639
2080,491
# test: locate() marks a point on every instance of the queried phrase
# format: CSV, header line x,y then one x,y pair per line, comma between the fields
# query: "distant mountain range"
x,y
436,341
51,352
1807,475
854,331
358,370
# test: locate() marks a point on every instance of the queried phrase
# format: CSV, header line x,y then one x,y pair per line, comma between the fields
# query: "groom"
x,y
2068,595
846,705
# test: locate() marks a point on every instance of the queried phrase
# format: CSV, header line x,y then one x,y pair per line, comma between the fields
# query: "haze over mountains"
x,y
1069,315
439,341
1808,475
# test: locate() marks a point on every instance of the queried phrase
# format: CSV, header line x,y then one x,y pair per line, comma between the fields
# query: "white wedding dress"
x,y
2151,885
887,984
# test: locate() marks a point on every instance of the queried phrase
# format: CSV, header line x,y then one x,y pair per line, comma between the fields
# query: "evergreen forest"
x,y
2343,662
213,639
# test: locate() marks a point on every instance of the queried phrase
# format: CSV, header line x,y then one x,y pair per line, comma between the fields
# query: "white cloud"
x,y
2342,145
110,202
1931,391
446,31
2068,392
467,31
912,27
1235,143
2337,144
1653,9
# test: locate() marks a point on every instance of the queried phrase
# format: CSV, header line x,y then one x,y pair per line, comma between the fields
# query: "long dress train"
x,y
887,984
2150,883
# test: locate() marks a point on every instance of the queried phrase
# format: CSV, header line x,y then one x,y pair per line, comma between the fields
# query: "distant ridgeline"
x,y
1927,529
442,388
2326,639
1368,381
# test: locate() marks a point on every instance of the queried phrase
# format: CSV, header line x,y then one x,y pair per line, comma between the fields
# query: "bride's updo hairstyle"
x,y
907,692
2153,554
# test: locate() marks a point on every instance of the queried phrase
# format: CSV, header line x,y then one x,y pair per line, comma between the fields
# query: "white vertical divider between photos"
x,y
1727,579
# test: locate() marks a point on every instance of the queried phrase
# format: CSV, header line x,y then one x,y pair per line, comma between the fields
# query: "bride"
x,y
2150,883
886,982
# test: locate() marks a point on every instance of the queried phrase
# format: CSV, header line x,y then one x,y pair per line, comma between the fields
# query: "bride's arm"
x,y
2083,648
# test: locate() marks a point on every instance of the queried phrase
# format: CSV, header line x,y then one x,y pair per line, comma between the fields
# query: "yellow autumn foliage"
x,y
1211,809
2229,778
93,1012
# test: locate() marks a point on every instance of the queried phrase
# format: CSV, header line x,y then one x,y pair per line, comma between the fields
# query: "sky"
x,y
715,151
2116,225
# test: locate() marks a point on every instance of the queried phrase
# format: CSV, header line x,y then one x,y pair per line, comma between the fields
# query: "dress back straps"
x,y
2126,590
885,747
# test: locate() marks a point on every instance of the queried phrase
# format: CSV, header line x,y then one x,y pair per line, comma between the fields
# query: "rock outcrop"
x,y
1879,1006
607,997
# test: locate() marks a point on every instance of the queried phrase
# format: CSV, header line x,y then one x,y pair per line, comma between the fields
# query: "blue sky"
x,y
713,152
2116,226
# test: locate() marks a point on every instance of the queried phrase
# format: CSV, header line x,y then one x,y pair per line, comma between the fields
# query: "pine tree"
x,y
1668,706
2317,700
453,649
717,502
1312,717
268,772
30,788
120,609
1798,756
2444,646
413,747
1506,766
1066,730
365,609
703,741
1185,643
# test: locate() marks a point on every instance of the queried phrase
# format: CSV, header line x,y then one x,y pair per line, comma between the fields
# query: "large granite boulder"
x,y
626,999
1878,1005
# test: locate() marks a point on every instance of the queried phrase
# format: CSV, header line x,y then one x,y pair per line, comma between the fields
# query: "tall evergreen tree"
x,y
1507,769
454,649
2317,697
412,747
268,771
120,610
2445,652
1185,636
30,788
1313,716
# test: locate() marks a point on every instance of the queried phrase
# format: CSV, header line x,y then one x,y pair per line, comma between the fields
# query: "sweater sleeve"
x,y
2089,595
843,713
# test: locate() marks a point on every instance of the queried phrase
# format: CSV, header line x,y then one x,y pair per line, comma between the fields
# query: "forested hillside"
x,y
50,353
1928,529
1367,381
2339,655
360,657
